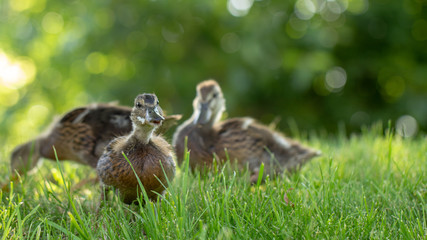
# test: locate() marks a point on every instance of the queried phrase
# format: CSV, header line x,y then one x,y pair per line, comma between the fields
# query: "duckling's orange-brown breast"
x,y
150,161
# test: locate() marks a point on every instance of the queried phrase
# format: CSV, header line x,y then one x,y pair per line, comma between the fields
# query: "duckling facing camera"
x,y
151,157
240,139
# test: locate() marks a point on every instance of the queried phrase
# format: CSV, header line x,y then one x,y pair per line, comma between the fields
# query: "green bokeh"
x,y
318,62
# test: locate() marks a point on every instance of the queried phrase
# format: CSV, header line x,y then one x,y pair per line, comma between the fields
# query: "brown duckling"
x,y
150,155
80,135
245,140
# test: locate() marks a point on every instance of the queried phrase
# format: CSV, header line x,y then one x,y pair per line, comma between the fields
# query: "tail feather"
x,y
303,156
25,156
295,156
170,121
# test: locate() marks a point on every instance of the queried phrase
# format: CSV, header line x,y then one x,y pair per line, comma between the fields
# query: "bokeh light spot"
x,y
29,67
392,88
298,24
21,5
37,114
8,96
335,79
359,118
317,61
11,74
358,6
395,86
39,6
115,65
96,63
52,23
337,7
239,8
295,28
330,16
305,9
172,33
40,51
230,43
332,11
15,74
406,126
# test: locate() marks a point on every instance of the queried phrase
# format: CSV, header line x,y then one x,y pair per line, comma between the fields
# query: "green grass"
x,y
368,186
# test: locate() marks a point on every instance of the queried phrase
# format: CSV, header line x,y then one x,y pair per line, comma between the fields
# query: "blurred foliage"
x,y
319,62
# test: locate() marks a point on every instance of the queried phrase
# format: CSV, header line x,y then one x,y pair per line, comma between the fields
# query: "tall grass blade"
x,y
79,224
260,175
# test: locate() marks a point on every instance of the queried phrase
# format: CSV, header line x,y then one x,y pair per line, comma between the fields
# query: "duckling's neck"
x,y
142,133
215,117
212,120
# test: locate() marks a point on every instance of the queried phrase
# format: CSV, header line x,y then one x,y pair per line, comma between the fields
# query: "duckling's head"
x,y
146,111
209,103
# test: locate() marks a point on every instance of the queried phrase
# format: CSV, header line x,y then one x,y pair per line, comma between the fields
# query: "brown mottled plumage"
x,y
246,141
150,155
80,135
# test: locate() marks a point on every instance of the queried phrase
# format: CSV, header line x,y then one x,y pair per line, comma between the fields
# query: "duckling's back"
x,y
82,134
252,143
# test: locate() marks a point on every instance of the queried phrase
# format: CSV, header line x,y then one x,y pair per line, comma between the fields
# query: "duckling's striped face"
x,y
209,103
147,110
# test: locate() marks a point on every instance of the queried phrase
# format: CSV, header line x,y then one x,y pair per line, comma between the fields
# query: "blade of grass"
x,y
80,226
62,229
260,175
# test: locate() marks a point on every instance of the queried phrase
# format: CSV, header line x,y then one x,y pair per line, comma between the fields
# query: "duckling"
x,y
240,139
150,155
80,135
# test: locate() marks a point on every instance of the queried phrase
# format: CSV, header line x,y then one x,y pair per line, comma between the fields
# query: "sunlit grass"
x,y
365,186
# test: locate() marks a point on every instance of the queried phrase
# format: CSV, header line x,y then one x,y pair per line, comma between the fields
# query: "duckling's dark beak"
x,y
205,113
154,116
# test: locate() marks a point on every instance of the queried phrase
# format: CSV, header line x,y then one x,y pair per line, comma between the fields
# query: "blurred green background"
x,y
319,62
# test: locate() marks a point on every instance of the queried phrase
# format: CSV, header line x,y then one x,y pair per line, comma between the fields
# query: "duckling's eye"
x,y
215,95
138,104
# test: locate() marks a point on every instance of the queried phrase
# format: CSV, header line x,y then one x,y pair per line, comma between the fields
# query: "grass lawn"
x,y
367,186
